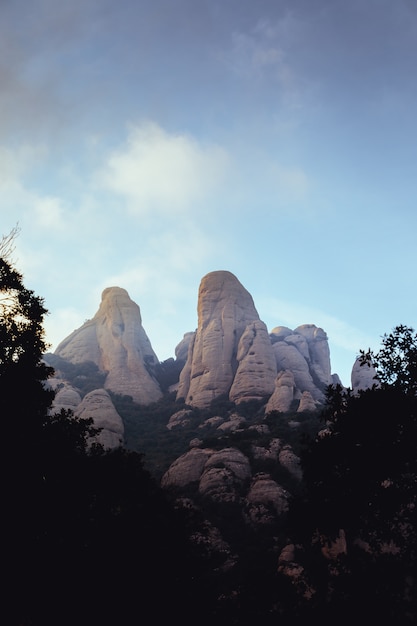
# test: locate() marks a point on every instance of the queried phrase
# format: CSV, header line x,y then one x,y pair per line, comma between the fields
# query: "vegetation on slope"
x,y
89,538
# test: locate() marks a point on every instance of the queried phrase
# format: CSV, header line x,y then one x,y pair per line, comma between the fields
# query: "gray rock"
x,y
307,403
179,419
66,397
116,341
235,422
218,475
181,350
305,353
280,332
224,475
187,469
257,369
212,422
283,395
98,405
319,351
291,462
363,376
266,500
290,359
226,315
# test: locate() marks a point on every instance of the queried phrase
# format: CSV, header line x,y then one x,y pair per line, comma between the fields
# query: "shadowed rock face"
x,y
98,406
116,341
231,354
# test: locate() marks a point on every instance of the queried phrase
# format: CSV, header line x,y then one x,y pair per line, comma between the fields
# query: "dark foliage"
x,y
360,475
146,431
167,373
396,361
85,377
87,536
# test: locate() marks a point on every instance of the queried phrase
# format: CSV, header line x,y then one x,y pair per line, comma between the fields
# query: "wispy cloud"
x,y
158,171
263,53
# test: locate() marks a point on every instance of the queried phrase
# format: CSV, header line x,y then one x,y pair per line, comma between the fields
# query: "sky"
x,y
145,143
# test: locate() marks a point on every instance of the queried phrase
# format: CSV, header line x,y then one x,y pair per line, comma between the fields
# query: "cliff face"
x,y
303,365
230,354
116,342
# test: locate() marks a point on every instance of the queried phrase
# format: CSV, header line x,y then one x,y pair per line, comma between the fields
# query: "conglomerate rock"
x,y
117,343
98,406
363,376
230,354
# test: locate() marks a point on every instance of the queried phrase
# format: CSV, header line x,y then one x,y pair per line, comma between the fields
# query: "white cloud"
x,y
15,162
161,172
49,213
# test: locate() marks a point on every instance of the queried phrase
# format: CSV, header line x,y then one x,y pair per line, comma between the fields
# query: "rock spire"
x,y
116,341
230,354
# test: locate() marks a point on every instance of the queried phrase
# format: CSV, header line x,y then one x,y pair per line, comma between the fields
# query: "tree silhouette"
x,y
87,536
360,479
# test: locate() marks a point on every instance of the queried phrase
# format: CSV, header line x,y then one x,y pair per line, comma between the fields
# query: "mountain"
x,y
221,427
230,357
115,340
231,354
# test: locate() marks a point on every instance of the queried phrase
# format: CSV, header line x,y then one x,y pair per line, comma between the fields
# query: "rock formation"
x,y
116,341
283,395
230,354
181,351
303,363
66,397
363,376
266,500
226,475
98,406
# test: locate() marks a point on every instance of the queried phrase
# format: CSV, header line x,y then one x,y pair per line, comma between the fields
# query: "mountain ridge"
x,y
230,356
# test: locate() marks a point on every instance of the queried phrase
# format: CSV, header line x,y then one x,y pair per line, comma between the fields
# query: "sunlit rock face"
x,y
97,405
305,353
181,350
230,354
116,341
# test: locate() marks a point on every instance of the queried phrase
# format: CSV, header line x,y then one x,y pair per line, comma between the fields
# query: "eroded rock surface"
x,y
98,405
266,500
283,395
304,352
116,342
230,352
363,376
66,397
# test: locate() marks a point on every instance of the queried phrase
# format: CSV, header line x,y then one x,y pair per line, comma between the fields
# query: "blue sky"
x,y
145,143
